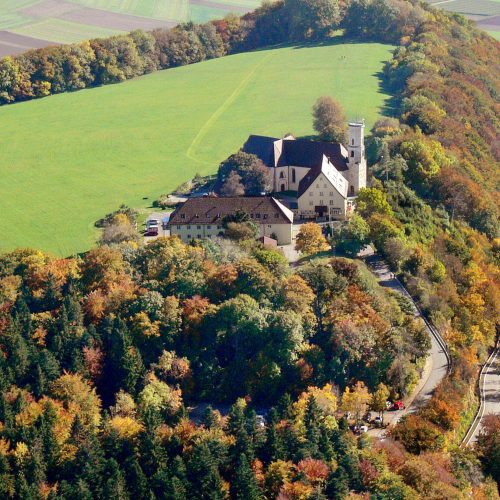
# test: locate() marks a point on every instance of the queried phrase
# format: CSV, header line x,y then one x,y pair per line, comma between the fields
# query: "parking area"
x,y
155,226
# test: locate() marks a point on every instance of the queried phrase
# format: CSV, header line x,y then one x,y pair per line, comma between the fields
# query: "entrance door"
x,y
282,187
321,210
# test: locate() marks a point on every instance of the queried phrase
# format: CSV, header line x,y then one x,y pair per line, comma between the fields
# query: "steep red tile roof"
x,y
211,210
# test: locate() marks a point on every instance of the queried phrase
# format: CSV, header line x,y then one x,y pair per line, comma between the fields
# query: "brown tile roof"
x,y
211,210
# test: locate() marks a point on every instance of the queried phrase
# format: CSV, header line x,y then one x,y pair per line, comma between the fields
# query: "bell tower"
x,y
356,160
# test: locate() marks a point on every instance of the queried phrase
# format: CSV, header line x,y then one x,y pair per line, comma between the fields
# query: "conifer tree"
x,y
51,296
209,419
337,487
275,448
313,433
50,446
245,485
204,475
285,405
136,480
6,477
35,465
22,318
115,486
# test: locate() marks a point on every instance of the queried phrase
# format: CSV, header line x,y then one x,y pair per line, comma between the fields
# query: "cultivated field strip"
x,y
12,43
38,23
59,31
485,12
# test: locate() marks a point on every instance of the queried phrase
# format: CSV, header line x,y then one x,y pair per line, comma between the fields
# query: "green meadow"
x,y
68,159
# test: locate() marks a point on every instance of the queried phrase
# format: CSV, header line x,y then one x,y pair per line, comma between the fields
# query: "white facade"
x,y
202,218
288,178
356,174
326,196
332,193
188,232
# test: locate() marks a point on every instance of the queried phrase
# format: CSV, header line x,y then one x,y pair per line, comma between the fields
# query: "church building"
x,y
326,176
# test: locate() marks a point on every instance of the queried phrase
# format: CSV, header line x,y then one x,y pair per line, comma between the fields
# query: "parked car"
x,y
363,428
261,420
398,405
152,227
378,421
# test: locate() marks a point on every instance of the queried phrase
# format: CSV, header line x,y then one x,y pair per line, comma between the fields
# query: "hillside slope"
x,y
85,153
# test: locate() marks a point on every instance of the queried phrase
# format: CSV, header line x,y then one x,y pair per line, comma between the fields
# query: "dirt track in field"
x,y
12,44
66,11
113,20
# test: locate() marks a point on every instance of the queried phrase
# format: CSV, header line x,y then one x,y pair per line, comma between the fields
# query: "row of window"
x,y
321,203
321,193
199,227
252,216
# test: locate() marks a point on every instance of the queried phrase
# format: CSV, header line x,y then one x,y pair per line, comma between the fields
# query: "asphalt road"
x,y
490,391
437,362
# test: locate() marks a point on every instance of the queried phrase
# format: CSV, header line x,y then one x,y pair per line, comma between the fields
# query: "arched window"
x,y
352,154
293,175
352,190
352,142
282,187
282,175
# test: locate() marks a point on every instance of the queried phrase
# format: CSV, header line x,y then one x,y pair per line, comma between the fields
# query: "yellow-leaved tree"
x,y
310,239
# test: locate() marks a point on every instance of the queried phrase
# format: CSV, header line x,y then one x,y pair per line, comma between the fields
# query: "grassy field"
x,y
69,159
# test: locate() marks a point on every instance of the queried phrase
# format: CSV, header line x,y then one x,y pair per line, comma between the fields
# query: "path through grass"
x,y
69,159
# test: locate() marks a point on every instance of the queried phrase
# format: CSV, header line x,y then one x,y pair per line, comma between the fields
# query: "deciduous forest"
x,y
102,355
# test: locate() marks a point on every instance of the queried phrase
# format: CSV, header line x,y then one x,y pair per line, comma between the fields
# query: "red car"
x,y
398,405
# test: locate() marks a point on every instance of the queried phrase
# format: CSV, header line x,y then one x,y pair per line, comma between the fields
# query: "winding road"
x,y
489,393
438,362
